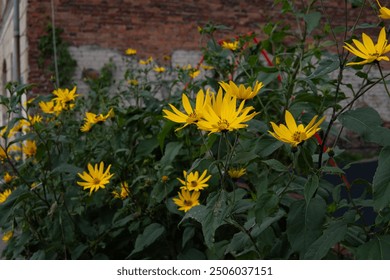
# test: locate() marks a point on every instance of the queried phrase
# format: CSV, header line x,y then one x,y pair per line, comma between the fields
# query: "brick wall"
x,y
153,27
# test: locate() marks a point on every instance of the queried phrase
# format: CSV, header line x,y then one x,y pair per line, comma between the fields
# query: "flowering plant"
x,y
238,157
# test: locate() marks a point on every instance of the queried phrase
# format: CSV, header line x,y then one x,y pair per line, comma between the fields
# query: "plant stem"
x,y
383,79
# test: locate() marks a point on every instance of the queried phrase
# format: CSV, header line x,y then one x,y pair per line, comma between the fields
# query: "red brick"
x,y
155,27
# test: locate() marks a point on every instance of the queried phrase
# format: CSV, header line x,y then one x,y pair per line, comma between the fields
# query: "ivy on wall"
x,y
65,63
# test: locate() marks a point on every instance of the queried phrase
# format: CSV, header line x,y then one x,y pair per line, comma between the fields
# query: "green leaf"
x,y
332,235
171,151
244,157
381,181
67,168
191,254
268,221
188,233
211,216
238,244
164,132
332,170
78,251
312,20
304,223
275,165
151,233
311,187
325,67
266,205
361,120
146,147
267,146
217,210
197,213
380,135
376,249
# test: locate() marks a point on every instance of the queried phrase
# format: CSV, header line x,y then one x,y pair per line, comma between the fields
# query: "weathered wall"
x,y
7,44
155,28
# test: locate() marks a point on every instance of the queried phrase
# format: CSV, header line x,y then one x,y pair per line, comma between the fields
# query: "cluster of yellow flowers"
x,y
219,113
216,112
224,112
63,100
367,50
3,197
189,194
28,147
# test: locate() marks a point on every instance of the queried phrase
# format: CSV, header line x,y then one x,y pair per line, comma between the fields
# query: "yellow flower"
x,y
130,51
102,118
186,200
3,131
91,119
193,182
164,178
3,154
87,126
192,115
187,67
29,148
294,134
96,178
194,73
50,107
65,96
7,236
21,126
240,91
132,82
159,69
236,173
367,50
207,67
35,119
223,115
4,195
146,62
230,45
384,13
7,177
124,191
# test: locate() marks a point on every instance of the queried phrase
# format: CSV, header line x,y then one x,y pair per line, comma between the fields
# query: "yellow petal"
x,y
290,121
186,104
368,43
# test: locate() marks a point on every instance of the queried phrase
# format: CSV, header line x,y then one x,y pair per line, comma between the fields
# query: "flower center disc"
x,y
299,136
192,118
223,125
187,202
96,181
